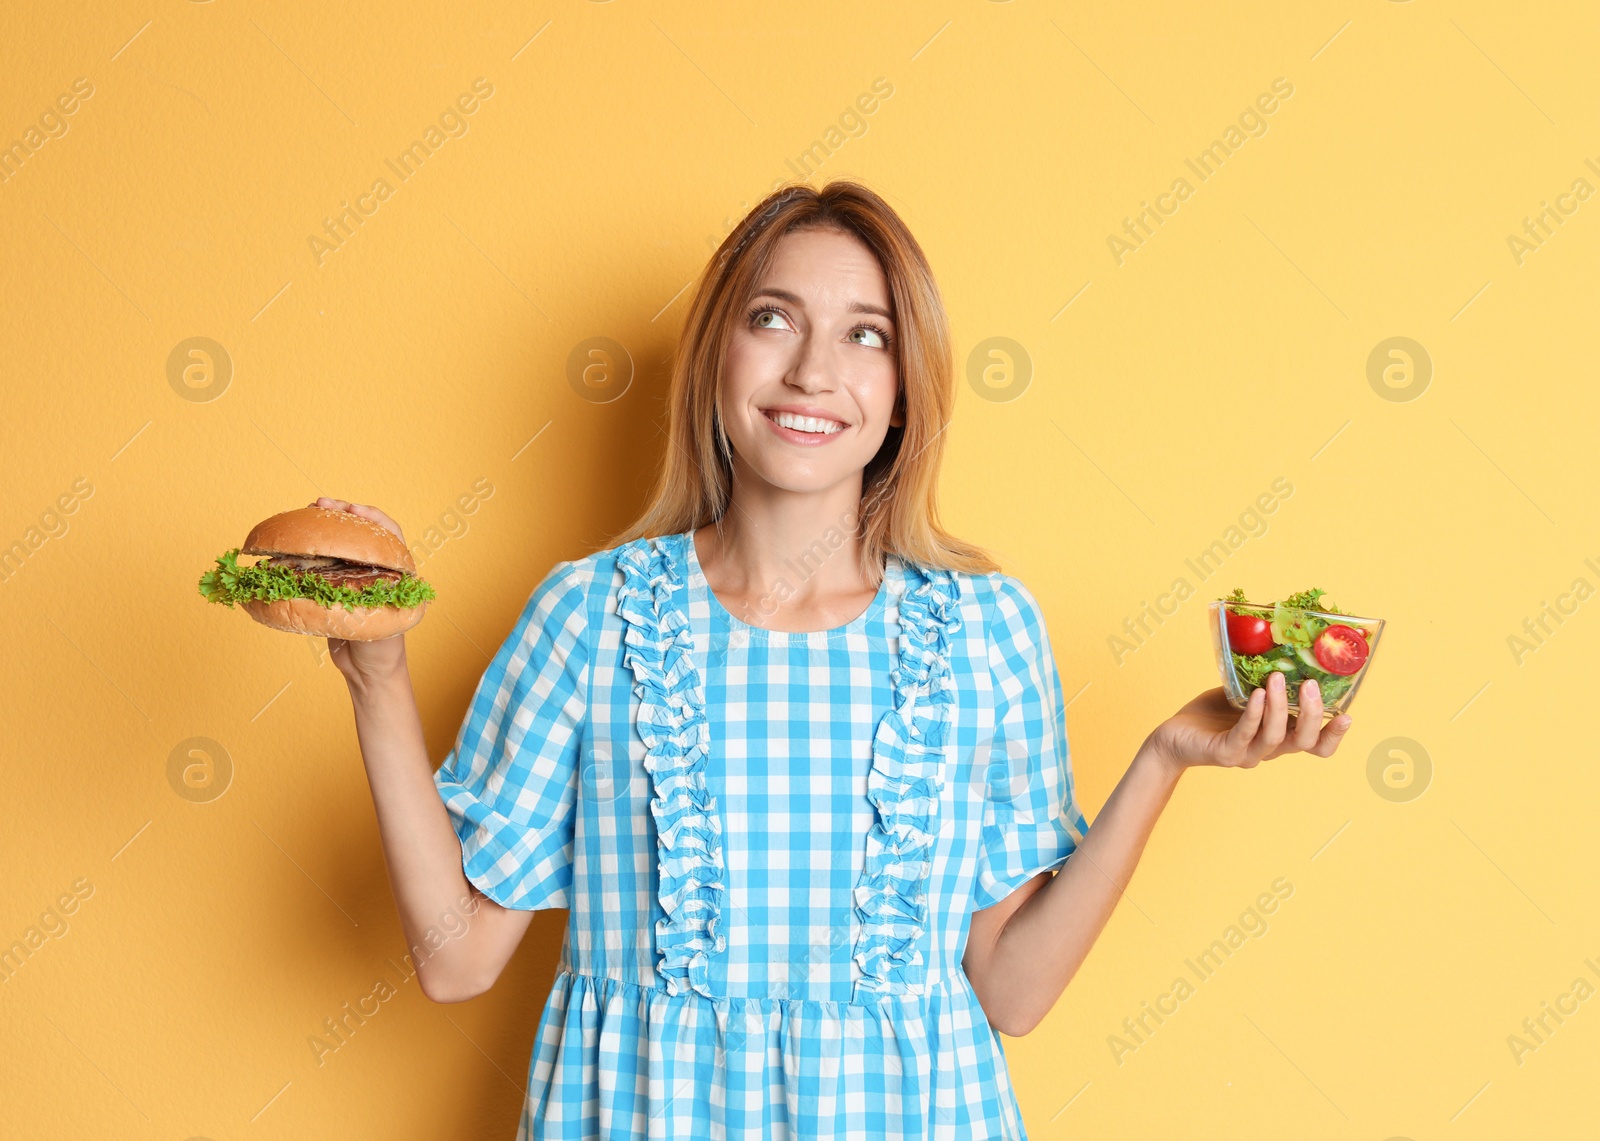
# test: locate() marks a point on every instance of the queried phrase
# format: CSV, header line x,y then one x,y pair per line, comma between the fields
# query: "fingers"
x,y
1275,720
361,509
1263,732
1332,733
1244,730
1247,742
1308,717
377,517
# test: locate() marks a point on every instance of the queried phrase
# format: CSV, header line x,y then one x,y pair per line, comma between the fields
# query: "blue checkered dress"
x,y
770,843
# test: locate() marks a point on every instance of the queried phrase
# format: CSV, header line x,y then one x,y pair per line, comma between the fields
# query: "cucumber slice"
x,y
1292,627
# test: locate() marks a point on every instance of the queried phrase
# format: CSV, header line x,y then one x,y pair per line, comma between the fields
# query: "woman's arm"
x,y
459,939
1022,952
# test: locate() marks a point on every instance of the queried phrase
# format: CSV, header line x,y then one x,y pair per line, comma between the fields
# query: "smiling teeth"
x,y
806,423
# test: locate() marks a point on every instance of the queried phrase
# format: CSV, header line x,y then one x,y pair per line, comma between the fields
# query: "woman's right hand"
x,y
1209,731
363,663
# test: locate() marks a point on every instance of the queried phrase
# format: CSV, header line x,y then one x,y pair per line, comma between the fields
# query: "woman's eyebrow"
x,y
793,299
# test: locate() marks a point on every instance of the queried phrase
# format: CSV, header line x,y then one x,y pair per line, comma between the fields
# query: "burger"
x,y
324,572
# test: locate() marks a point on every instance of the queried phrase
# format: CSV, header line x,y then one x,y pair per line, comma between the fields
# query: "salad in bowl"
x,y
1300,637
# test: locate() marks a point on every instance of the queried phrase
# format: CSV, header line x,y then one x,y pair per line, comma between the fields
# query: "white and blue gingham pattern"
x,y
724,908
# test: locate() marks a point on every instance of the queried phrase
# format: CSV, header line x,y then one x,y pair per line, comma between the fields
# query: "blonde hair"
x,y
898,511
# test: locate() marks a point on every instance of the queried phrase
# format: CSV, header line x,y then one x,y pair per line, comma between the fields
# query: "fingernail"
x,y
1316,690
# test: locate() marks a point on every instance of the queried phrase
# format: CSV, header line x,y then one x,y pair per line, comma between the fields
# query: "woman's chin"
x,y
799,477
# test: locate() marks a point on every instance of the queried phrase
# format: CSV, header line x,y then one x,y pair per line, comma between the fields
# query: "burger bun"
x,y
321,531
362,624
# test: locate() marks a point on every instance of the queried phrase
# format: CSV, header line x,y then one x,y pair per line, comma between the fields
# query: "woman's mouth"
x,y
802,429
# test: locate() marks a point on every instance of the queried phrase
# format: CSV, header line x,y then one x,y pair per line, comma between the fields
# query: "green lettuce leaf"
x,y
1303,600
1253,668
1311,600
228,583
1333,687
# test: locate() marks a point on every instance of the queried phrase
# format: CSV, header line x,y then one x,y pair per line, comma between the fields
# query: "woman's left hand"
x,y
1209,731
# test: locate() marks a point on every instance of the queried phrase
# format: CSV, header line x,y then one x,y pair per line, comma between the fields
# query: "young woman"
x,y
794,757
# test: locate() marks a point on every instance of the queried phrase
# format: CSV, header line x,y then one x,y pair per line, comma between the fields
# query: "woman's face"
x,y
814,342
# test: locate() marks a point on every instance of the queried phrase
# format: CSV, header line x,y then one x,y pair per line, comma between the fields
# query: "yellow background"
x,y
622,140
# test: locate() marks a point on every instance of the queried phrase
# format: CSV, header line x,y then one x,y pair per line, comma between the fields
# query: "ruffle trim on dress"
x,y
659,648
904,784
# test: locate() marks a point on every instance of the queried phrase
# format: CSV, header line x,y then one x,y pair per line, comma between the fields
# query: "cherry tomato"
x,y
1249,634
1340,649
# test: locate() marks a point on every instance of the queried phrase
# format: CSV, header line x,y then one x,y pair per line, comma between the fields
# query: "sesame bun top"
x,y
321,531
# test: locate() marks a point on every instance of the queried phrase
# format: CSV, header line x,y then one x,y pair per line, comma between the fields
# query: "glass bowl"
x,y
1297,663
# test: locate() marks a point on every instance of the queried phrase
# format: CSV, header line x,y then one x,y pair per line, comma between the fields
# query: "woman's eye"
x,y
876,337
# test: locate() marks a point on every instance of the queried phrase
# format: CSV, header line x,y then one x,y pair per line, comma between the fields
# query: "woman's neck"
x,y
789,561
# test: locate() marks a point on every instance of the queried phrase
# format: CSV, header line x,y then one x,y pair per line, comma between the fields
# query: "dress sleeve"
x,y
1031,819
510,783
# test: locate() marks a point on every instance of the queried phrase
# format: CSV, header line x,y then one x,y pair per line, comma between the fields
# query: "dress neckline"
x,y
698,584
